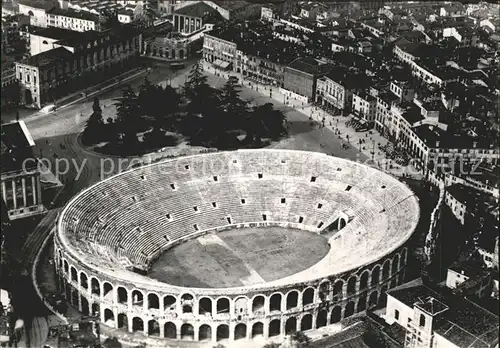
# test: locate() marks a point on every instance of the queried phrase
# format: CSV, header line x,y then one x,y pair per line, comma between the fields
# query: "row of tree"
x,y
203,115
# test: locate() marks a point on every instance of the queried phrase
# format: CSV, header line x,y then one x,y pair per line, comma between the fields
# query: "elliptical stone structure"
x,y
102,264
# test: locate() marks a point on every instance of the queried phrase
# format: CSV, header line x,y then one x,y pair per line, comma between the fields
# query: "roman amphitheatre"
x,y
235,245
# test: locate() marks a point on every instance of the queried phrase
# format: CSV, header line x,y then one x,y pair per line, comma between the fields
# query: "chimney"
x,y
437,143
474,144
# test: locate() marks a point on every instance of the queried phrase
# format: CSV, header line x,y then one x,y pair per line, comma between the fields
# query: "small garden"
x,y
156,117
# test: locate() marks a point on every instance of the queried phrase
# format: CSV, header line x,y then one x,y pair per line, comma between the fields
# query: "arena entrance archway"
x,y
258,304
308,296
122,321
275,303
205,306
222,332
274,328
170,330
257,329
240,331
153,328
321,319
306,323
137,325
291,325
336,315
349,309
205,333
187,332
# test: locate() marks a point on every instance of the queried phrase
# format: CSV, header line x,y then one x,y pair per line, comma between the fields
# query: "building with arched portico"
x,y
103,249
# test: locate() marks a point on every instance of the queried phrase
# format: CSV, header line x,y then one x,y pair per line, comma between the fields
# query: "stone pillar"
x,y
314,317
115,315
267,302
214,333
4,191
214,308
130,322
25,202
129,302
266,328
145,323
231,331
178,331
162,329
283,303
33,187
14,193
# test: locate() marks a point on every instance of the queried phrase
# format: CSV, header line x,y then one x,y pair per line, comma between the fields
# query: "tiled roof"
x,y
74,14
199,10
465,324
52,32
49,57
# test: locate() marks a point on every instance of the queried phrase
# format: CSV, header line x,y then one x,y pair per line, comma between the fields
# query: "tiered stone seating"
x,y
138,213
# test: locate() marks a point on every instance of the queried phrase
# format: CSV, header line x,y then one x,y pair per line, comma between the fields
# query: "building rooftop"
x,y
412,115
199,9
470,196
49,57
73,14
307,65
53,32
16,146
41,4
465,324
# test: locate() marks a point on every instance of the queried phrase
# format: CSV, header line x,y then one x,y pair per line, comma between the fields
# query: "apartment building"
x,y
76,62
73,20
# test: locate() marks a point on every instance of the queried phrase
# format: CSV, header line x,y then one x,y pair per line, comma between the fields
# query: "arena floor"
x,y
239,257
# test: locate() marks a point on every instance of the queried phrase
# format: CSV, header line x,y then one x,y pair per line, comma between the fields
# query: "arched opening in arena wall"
x,y
240,331
274,328
363,282
375,275
205,333
351,285
240,306
222,305
74,297
349,309
258,304
395,264
170,330
153,328
173,53
291,326
122,295
382,300
308,296
257,330
187,332
321,319
137,325
403,256
122,321
336,315
292,299
107,291
338,290
74,275
169,303
66,266
187,303
386,269
324,290
372,300
306,322
109,317
342,223
85,305
222,332
361,303
96,310
95,286
401,277
394,282
275,302
137,298
181,54
205,306
60,263
67,293
153,301
83,281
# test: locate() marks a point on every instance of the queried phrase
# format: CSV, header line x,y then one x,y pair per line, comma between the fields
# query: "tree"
x,y
233,106
198,91
264,122
128,111
272,345
93,131
301,338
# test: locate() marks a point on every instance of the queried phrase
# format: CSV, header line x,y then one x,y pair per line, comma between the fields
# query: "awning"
x,y
221,64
